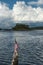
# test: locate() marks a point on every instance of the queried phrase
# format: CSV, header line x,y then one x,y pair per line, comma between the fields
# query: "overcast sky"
x,y
21,10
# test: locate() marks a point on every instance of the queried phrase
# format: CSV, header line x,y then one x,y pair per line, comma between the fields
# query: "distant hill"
x,y
37,28
21,27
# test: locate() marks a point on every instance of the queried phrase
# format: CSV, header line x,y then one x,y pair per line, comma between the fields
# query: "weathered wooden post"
x,y
15,55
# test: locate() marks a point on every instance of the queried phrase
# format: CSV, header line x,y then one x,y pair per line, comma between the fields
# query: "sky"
x,y
12,2
17,11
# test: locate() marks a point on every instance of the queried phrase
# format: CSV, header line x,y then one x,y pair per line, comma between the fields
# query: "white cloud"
x,y
4,11
39,2
23,12
5,15
20,12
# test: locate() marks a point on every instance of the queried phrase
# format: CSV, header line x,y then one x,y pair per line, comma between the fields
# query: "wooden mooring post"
x,y
15,55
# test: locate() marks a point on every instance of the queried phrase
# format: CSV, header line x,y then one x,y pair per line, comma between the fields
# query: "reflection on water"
x,y
30,47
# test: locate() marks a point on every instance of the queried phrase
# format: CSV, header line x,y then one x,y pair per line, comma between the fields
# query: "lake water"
x,y
30,47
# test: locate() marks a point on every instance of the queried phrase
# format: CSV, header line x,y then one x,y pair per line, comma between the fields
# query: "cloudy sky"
x,y
15,11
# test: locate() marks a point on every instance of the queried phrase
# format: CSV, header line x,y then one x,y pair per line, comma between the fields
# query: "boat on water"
x,y
15,55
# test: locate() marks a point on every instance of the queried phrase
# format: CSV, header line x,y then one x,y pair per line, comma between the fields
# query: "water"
x,y
30,47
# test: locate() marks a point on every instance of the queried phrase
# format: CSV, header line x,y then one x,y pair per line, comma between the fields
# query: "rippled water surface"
x,y
30,47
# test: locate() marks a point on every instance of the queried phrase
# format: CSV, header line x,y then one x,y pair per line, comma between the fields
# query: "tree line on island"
x,y
22,27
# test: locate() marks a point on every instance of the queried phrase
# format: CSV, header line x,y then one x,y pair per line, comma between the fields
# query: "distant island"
x,y
22,27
